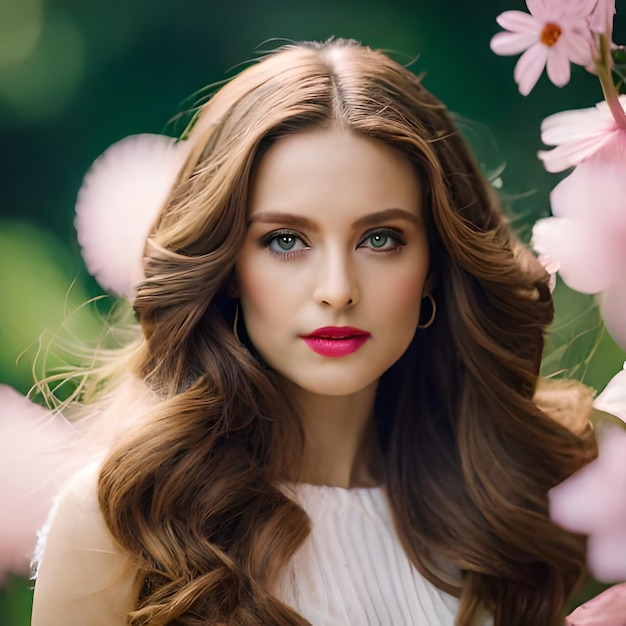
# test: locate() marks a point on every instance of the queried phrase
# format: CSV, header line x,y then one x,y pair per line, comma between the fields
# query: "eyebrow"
x,y
299,221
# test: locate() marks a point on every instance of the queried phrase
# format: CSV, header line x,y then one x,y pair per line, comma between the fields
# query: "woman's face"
x,y
332,270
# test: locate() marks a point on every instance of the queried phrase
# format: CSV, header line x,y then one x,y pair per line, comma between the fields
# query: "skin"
x,y
84,578
336,238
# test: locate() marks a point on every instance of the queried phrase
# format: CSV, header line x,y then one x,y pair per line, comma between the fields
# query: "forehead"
x,y
332,171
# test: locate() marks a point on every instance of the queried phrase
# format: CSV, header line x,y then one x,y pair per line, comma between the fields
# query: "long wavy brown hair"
x,y
193,494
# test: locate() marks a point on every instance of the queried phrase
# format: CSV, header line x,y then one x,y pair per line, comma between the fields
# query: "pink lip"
x,y
336,340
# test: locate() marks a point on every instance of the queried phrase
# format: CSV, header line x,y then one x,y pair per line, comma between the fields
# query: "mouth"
x,y
335,341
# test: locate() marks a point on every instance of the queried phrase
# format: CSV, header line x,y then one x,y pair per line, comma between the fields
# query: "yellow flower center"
x,y
550,34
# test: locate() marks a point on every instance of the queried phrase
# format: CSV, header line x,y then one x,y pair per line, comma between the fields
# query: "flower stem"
x,y
604,66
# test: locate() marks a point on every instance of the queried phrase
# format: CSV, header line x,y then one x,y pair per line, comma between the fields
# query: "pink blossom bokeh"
x,y
587,235
118,204
606,609
35,455
593,501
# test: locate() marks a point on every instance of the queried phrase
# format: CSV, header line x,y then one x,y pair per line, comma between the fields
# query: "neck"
x,y
341,447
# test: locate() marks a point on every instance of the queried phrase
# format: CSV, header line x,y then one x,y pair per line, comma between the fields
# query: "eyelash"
x,y
393,234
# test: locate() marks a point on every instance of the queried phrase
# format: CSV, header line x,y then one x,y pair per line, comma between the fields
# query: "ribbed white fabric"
x,y
352,568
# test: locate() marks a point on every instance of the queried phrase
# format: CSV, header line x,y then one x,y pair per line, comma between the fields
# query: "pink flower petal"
x,y
601,20
579,134
529,67
586,264
613,310
572,153
558,66
34,445
606,552
607,608
511,43
552,267
587,7
119,201
577,124
613,397
576,504
597,183
576,12
537,9
519,22
577,46
586,501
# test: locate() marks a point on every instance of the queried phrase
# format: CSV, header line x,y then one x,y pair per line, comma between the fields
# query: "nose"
x,y
336,283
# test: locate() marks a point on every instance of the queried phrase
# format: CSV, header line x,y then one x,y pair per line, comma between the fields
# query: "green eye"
x,y
383,240
285,242
378,240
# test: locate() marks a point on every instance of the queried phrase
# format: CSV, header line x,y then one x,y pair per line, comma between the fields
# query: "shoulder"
x,y
83,576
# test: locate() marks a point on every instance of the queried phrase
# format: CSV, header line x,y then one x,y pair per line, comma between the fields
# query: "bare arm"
x,y
83,578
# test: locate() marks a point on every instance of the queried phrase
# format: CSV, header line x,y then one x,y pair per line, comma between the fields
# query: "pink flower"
x,y
118,203
593,501
578,135
33,459
554,34
587,235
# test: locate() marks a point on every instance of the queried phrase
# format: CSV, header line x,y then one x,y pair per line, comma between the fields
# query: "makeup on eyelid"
x,y
389,234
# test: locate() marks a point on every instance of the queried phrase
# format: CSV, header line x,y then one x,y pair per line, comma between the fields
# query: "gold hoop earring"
x,y
433,313
236,321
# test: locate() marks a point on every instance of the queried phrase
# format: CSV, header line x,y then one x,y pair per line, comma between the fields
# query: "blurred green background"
x,y
78,75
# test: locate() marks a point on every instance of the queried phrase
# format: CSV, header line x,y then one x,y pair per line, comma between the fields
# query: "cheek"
x,y
263,299
401,293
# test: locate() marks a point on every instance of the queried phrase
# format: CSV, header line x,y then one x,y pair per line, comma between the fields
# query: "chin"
x,y
335,387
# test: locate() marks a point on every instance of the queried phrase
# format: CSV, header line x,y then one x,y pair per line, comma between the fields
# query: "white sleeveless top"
x,y
352,568
350,571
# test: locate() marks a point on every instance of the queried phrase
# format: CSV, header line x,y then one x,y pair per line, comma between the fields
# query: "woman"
x,y
341,344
